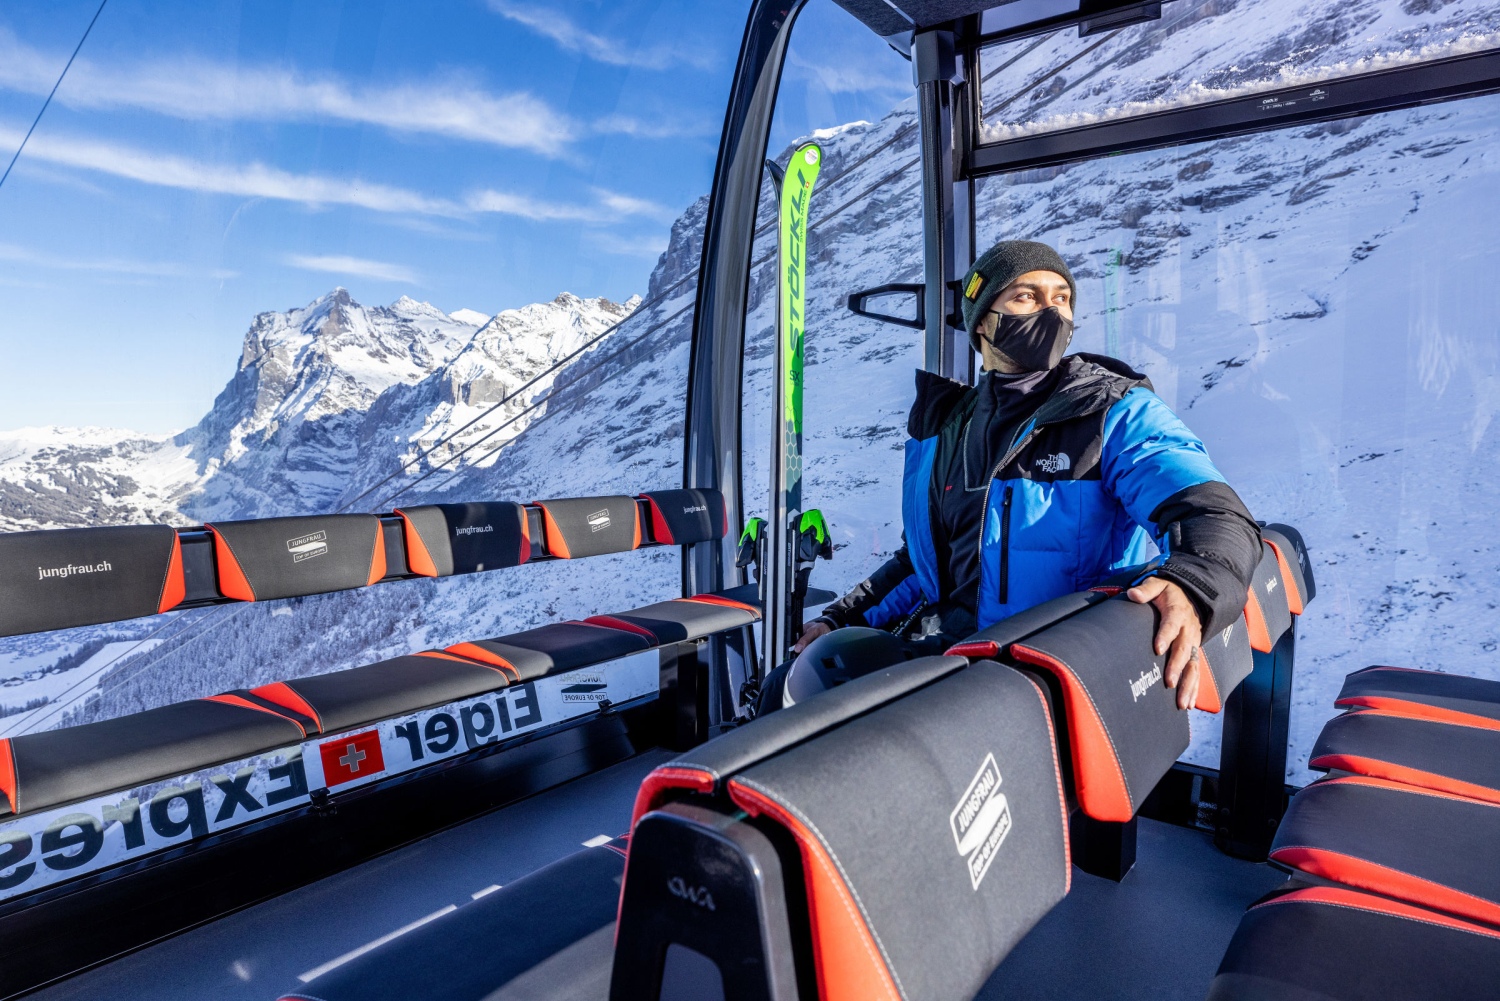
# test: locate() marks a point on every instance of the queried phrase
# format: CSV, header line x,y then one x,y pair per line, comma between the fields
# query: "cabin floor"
x,y
1159,934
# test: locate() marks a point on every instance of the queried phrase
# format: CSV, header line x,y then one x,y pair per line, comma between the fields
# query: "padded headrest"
x,y
288,557
591,526
81,576
993,640
1124,727
1230,661
1267,611
1295,560
682,517
447,539
939,814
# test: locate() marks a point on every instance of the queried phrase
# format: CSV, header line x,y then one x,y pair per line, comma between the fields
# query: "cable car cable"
x,y
56,85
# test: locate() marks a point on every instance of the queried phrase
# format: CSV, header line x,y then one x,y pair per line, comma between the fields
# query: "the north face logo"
x,y
1055,463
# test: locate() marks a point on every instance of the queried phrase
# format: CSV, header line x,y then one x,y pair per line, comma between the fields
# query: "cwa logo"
x,y
1140,686
1059,463
599,520
981,820
679,888
307,546
1270,585
1227,634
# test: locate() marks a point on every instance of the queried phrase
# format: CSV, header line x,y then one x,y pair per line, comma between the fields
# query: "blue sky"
x,y
205,161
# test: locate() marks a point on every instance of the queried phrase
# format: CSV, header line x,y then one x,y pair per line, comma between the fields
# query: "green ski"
x,y
785,524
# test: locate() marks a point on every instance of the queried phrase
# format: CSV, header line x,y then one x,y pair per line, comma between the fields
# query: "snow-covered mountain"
x,y
327,400
1318,303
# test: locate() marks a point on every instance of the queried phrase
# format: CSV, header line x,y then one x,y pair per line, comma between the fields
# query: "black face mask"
x,y
1034,341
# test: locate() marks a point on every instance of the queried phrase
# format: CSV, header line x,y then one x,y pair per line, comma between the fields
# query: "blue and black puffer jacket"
x,y
1103,476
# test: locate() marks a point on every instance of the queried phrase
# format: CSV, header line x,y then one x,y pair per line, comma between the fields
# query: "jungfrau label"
x,y
981,820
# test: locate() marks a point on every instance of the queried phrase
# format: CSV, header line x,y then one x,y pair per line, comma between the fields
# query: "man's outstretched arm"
x,y
867,596
1161,473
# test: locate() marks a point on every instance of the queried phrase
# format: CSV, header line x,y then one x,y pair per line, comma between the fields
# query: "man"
x,y
1050,475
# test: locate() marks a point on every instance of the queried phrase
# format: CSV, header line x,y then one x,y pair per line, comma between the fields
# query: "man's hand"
x,y
810,632
1180,632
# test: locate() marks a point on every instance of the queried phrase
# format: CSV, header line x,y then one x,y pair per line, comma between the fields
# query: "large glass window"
x,y
1210,50
850,92
266,260
1317,304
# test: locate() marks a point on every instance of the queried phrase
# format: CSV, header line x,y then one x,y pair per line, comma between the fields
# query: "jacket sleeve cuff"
x,y
838,617
1208,585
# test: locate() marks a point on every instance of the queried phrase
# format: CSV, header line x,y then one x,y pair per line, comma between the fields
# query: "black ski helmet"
x,y
837,657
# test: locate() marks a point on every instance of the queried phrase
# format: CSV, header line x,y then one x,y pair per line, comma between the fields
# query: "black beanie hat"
x,y
1002,264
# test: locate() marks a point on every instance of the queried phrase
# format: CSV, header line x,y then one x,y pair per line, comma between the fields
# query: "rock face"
x,y
1315,302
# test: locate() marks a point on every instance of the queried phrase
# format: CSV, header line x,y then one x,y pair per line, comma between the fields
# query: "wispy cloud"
x,y
258,180
854,75
573,37
196,89
630,246
16,254
253,180
358,266
661,128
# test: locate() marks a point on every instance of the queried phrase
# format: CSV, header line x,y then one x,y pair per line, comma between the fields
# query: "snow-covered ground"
x,y
1318,303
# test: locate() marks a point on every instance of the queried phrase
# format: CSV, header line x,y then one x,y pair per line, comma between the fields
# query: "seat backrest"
x,y
1268,613
1230,661
289,557
446,539
82,576
706,767
683,517
590,526
929,833
1124,728
1296,565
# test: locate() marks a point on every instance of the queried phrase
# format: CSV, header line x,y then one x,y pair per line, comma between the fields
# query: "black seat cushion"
x,y
682,619
682,517
447,539
361,695
288,557
1428,848
1430,694
545,650
62,766
1332,944
590,526
938,817
1450,757
549,934
1124,728
81,576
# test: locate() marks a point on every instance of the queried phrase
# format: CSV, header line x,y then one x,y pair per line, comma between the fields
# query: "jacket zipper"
x,y
1005,547
1019,442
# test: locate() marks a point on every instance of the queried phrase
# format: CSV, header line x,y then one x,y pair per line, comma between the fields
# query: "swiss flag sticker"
x,y
352,757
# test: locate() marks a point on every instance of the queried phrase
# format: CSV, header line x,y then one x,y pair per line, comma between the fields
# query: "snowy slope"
x,y
1317,303
1212,50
